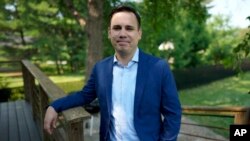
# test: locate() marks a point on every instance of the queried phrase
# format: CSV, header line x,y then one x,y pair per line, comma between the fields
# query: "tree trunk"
x,y
93,26
94,32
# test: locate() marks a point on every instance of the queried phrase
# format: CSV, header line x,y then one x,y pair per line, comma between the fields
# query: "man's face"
x,y
124,32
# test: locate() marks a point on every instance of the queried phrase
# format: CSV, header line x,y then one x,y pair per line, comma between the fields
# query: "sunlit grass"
x,y
227,92
69,83
63,80
66,78
232,91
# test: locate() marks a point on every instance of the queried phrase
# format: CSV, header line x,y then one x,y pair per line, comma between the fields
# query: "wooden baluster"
x,y
75,131
43,102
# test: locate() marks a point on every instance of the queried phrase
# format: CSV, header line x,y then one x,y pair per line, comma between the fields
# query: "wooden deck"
x,y
16,122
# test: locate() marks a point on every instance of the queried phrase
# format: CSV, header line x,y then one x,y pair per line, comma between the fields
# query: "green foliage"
x,y
223,39
48,31
244,45
180,22
4,83
17,94
58,40
157,20
242,50
53,31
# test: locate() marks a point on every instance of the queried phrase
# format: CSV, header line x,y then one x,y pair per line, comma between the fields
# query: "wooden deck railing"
x,y
240,115
40,91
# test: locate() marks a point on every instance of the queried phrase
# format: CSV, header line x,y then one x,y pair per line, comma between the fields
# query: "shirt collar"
x,y
134,59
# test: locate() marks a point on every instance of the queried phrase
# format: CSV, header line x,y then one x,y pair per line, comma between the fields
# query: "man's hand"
x,y
50,120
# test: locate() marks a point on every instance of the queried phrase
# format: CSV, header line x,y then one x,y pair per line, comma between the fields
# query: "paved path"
x,y
197,130
93,135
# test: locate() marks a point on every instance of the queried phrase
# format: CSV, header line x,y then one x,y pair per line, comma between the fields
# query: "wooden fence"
x,y
240,115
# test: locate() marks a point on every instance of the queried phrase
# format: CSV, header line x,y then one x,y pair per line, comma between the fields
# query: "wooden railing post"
x,y
28,80
29,84
75,131
242,117
75,127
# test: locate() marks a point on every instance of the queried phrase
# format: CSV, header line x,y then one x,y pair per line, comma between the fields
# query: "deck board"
x,y
4,125
13,125
17,123
22,123
32,127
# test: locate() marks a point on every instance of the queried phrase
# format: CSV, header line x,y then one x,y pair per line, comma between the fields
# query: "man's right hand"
x,y
50,120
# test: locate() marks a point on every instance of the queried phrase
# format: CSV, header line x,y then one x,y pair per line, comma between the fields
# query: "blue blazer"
x,y
157,110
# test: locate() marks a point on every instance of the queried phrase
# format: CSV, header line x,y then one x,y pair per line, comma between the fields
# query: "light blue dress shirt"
x,y
123,93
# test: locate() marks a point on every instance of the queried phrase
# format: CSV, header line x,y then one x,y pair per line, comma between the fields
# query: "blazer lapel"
x,y
142,74
109,76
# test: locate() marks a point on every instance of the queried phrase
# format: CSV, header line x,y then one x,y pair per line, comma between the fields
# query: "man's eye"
x,y
116,28
129,28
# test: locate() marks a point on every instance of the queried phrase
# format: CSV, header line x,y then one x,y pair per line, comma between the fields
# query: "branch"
x,y
75,13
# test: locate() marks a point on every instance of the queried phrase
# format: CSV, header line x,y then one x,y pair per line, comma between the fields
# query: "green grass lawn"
x,y
67,82
226,92
232,91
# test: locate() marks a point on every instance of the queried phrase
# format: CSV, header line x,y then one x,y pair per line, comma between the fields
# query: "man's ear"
x,y
140,33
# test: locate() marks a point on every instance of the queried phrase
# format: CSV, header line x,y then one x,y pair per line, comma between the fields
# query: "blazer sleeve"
x,y
79,98
170,106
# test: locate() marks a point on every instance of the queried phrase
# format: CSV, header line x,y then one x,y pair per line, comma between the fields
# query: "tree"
x,y
53,25
181,22
74,31
223,39
242,50
94,31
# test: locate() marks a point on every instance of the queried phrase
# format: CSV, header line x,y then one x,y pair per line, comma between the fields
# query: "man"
x,y
136,92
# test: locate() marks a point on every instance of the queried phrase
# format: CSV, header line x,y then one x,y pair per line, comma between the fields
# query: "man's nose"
x,y
123,33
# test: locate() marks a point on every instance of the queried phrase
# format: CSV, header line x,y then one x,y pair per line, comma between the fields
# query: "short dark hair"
x,y
124,8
